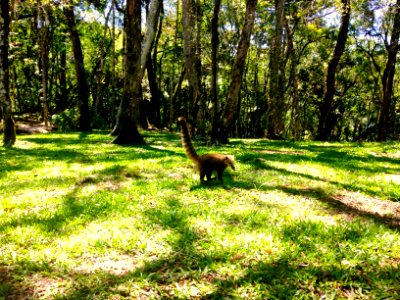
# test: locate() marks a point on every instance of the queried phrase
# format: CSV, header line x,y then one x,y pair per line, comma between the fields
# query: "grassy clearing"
x,y
84,219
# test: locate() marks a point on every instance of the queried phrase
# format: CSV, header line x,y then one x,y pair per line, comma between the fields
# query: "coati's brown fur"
x,y
206,163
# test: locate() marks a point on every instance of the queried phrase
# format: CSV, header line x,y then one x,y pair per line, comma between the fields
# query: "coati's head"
x,y
230,161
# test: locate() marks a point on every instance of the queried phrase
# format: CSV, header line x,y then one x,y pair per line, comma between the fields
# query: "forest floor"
x,y
81,218
30,125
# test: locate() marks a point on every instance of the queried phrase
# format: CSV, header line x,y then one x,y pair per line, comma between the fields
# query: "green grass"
x,y
81,218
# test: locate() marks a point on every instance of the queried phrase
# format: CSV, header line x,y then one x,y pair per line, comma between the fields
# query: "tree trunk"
x,y
276,73
192,54
295,122
44,46
230,113
155,115
388,76
62,102
126,130
326,125
9,135
177,90
83,91
214,62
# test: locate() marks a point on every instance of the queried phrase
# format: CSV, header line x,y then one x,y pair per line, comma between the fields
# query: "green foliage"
x,y
81,218
67,120
312,25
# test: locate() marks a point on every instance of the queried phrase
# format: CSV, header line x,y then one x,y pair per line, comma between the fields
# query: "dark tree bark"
x,y
151,65
126,130
135,59
293,81
9,135
276,76
191,47
326,120
214,62
177,89
83,91
230,115
388,76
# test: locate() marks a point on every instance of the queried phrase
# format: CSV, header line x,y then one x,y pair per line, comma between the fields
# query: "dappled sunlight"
x,y
117,264
371,205
129,222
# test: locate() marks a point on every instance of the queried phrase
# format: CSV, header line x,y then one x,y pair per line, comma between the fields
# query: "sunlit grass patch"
x,y
83,218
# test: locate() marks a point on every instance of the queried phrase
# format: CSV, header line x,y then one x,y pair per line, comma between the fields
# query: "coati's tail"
x,y
186,141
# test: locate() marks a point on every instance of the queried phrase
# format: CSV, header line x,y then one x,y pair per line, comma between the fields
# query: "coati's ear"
x,y
229,160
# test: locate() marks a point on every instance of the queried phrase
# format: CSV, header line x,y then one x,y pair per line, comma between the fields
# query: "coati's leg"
x,y
202,174
208,175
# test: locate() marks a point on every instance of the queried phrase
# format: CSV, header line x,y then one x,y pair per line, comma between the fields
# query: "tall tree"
x,y
326,123
135,59
9,135
44,46
151,65
214,62
276,75
230,115
125,129
388,74
83,90
191,47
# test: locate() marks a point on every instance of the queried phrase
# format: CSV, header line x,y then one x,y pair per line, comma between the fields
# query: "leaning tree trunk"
x,y
9,135
83,91
230,114
325,125
388,76
151,65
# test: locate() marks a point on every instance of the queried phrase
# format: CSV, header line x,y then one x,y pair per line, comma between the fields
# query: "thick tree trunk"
x,y
191,23
83,91
388,76
9,135
214,62
326,125
232,98
126,130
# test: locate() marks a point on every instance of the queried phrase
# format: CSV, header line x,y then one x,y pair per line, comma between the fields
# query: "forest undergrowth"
x,y
81,218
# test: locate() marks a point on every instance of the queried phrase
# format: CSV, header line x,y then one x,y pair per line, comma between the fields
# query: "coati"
x,y
206,163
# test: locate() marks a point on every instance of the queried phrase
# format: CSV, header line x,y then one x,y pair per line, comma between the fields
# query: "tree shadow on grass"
x,y
339,207
73,206
261,163
335,156
20,159
281,276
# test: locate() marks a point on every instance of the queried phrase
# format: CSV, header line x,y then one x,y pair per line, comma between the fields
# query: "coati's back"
x,y
206,163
